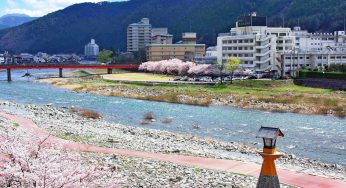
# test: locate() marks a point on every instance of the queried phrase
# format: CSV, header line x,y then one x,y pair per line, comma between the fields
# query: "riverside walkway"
x,y
252,169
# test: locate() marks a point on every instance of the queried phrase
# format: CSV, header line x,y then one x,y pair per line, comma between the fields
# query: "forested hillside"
x,y
68,30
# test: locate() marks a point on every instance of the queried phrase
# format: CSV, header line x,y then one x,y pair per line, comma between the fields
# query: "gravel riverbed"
x,y
60,122
204,98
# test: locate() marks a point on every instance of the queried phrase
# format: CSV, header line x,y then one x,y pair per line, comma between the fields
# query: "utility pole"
x,y
190,25
345,24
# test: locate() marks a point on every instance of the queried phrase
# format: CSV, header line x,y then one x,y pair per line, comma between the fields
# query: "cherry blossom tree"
x,y
32,162
177,67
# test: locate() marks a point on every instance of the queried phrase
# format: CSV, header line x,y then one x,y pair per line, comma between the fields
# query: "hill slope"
x,y
11,20
68,30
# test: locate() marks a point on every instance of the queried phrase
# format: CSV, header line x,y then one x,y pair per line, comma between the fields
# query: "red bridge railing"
x,y
75,66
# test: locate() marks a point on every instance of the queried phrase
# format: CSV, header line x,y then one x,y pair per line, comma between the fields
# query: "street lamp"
x,y
268,177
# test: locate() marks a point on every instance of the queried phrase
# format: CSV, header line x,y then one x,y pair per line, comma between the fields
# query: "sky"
x,y
37,8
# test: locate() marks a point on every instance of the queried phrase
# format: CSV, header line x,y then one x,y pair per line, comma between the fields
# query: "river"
x,y
313,136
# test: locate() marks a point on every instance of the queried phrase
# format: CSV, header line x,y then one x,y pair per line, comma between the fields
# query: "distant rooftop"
x,y
176,45
144,21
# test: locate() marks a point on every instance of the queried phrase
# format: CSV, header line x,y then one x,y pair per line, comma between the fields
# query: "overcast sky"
x,y
37,7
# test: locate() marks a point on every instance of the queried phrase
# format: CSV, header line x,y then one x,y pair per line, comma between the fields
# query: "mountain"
x,y
11,20
68,30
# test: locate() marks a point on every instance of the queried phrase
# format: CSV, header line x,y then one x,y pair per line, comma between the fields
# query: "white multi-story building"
x,y
314,51
283,50
255,44
139,35
211,51
2,59
91,49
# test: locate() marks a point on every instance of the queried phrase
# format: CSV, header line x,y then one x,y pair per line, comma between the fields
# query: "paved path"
x,y
252,169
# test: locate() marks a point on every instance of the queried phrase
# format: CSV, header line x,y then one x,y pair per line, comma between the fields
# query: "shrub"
x,y
326,75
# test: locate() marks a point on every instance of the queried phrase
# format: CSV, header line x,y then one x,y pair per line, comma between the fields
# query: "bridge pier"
x,y
109,71
9,78
60,72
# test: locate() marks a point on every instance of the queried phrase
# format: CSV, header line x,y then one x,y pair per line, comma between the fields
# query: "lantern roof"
x,y
269,132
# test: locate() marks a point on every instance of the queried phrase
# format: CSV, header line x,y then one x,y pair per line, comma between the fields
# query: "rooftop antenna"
x,y
190,25
283,21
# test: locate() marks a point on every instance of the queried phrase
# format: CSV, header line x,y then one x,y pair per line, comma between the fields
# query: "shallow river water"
x,y
313,136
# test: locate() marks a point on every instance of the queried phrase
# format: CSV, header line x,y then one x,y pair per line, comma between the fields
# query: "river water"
x,y
317,137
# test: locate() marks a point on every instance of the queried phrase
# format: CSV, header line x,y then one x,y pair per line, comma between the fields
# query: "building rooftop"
x,y
175,45
164,35
138,24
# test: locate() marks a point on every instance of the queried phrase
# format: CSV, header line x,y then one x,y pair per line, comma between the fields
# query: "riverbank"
x,y
126,171
274,96
70,126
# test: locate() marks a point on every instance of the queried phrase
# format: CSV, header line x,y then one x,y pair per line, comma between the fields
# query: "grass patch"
x,y
15,125
299,99
138,77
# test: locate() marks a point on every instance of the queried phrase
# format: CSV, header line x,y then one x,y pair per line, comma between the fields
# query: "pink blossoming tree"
x,y
27,161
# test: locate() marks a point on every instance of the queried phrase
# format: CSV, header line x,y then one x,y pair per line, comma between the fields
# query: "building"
x,y
314,51
183,51
26,58
139,35
255,44
91,49
189,38
211,51
209,58
2,59
161,36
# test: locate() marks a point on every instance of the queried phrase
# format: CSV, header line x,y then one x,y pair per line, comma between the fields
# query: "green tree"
x,y
105,56
232,65
220,66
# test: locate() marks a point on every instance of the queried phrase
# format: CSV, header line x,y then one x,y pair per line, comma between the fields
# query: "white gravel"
x,y
73,127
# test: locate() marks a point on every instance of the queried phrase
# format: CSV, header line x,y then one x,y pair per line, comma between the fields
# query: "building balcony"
x,y
263,53
247,65
238,44
261,61
239,51
263,46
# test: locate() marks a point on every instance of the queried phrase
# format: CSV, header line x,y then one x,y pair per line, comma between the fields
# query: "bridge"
x,y
60,67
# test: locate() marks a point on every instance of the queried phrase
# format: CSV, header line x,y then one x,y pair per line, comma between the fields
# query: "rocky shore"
x,y
70,126
136,172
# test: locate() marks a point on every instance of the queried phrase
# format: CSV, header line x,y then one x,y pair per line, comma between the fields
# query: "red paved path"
x,y
286,176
